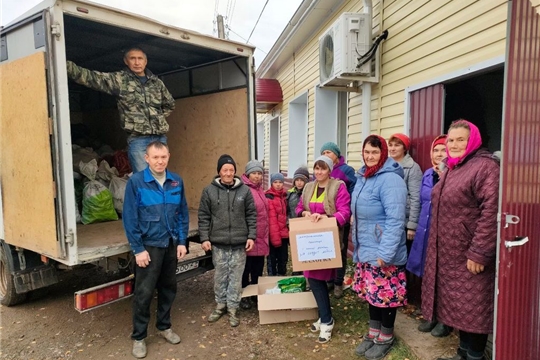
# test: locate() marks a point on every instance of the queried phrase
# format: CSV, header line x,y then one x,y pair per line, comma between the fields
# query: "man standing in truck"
x,y
143,101
156,221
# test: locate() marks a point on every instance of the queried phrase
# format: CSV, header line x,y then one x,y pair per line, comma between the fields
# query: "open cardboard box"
x,y
280,308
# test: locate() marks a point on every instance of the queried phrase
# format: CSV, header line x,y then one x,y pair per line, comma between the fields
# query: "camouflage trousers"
x,y
229,264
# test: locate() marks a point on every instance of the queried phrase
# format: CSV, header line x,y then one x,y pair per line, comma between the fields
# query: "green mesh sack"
x,y
98,204
292,285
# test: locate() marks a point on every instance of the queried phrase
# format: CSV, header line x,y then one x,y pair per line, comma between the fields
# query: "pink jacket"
x,y
261,247
342,215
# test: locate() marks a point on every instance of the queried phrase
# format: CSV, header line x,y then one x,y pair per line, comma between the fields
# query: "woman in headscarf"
x,y
378,212
459,278
417,256
324,197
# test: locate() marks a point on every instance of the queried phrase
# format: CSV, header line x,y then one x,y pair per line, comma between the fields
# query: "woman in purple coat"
x,y
324,197
417,256
458,286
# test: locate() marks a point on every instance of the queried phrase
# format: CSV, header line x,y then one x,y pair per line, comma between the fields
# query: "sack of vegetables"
x,y
292,285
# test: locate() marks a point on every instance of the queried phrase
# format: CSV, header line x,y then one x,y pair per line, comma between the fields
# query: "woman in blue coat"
x,y
378,206
417,256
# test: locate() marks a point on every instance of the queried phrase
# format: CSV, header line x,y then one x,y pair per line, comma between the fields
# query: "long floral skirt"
x,y
381,286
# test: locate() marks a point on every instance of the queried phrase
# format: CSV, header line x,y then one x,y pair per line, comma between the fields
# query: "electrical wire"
x,y
241,37
259,18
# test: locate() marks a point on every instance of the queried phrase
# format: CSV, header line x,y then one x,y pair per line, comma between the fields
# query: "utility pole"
x,y
220,27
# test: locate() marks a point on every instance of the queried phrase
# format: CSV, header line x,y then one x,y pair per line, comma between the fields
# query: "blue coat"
x,y
417,256
153,214
378,206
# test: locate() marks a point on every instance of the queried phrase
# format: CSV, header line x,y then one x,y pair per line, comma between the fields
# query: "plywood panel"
x,y
201,129
25,160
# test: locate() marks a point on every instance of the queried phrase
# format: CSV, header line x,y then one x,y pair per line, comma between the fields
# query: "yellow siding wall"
x,y
427,39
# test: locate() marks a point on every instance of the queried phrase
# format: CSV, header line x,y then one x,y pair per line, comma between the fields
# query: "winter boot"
x,y
326,332
245,303
461,355
427,326
441,330
365,345
233,319
338,291
218,312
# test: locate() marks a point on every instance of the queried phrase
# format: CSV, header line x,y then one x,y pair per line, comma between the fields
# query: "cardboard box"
x,y
280,308
314,245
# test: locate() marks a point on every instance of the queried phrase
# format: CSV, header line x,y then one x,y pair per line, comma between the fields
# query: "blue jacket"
x,y
417,255
378,207
153,214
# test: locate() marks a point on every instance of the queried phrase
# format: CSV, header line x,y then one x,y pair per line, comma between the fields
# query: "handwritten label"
x,y
316,246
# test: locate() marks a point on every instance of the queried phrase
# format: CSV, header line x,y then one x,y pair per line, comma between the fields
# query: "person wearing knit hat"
x,y
344,172
417,256
279,231
324,197
254,166
398,149
225,159
227,227
253,178
301,173
300,179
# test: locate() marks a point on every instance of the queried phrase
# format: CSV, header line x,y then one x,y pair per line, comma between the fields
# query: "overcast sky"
x,y
198,15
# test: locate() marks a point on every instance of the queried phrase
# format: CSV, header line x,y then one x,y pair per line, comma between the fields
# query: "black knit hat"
x,y
225,159
301,173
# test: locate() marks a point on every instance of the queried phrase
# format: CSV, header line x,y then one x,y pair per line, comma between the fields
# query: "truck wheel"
x,y
8,295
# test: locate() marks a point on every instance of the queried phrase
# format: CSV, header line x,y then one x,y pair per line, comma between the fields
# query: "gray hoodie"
x,y
413,180
227,215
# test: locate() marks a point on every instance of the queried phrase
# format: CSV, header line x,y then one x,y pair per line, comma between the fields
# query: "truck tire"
x,y
8,295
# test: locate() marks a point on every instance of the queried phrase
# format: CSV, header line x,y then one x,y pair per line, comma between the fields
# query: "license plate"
x,y
182,268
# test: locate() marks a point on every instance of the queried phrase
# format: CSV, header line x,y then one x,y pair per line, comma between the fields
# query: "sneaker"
x,y
233,319
139,349
441,330
364,345
316,326
170,336
218,312
326,332
245,304
378,351
338,291
426,326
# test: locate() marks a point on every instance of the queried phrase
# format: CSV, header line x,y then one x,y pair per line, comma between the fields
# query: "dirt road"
x,y
47,327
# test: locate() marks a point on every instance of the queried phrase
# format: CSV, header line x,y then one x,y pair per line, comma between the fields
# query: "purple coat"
x,y
342,215
464,226
417,256
344,172
261,247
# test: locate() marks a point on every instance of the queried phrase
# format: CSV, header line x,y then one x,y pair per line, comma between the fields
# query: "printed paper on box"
x,y
318,246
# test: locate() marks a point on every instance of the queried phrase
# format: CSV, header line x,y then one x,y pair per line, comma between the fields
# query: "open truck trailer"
x,y
211,80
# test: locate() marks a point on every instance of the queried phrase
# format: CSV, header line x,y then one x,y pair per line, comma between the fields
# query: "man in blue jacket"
x,y
156,221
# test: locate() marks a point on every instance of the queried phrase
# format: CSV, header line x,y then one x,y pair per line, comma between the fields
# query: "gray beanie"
x,y
327,160
277,176
252,166
301,173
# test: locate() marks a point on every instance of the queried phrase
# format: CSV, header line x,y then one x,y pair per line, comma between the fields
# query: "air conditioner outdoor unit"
x,y
340,47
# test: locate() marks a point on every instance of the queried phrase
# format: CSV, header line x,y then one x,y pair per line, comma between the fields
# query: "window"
x,y
298,133
330,119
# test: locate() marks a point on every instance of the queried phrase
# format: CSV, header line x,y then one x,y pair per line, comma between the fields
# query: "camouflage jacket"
x,y
142,108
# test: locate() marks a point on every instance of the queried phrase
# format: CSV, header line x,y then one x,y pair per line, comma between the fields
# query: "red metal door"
x,y
426,122
517,327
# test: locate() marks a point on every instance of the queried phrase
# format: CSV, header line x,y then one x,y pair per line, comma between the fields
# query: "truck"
x,y
212,82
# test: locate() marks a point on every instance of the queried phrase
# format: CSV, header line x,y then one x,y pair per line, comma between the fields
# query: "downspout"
x,y
366,86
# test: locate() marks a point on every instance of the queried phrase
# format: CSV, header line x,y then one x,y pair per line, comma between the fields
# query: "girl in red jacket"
x,y
279,232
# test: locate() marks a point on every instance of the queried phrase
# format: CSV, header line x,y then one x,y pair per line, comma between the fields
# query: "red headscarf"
x,y
474,143
439,140
371,170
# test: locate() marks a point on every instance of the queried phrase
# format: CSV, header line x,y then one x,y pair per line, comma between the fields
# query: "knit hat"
x,y
225,159
332,147
403,138
301,173
252,166
327,161
276,177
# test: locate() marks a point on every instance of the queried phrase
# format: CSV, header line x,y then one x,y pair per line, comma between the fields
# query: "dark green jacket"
x,y
227,216
142,108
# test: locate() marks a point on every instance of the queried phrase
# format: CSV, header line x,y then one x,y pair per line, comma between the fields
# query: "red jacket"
x,y
277,214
